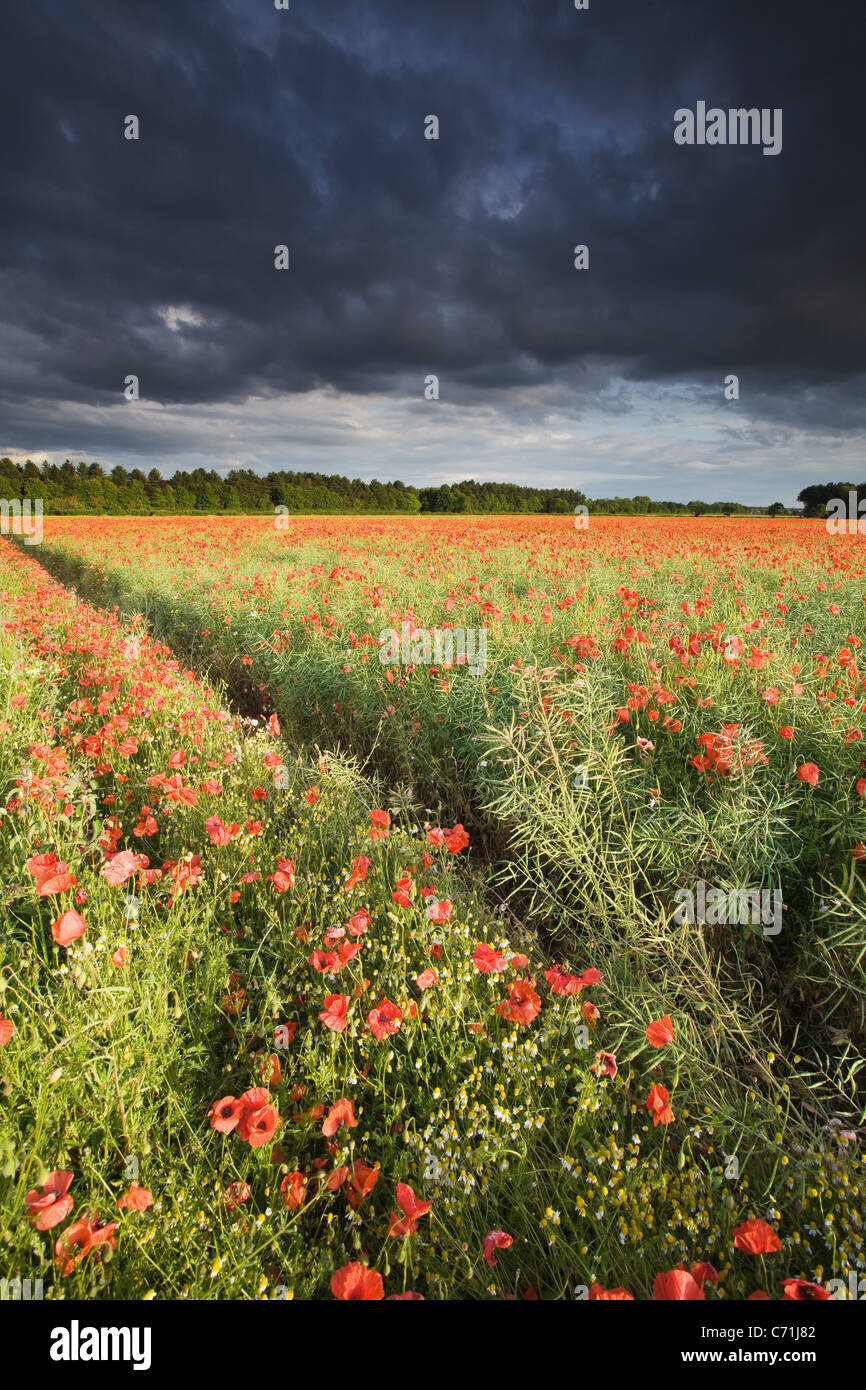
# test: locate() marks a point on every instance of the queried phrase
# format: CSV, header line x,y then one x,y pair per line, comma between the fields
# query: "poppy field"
x,y
333,967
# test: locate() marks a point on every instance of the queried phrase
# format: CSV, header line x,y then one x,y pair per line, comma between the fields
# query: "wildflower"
x,y
496,1240
456,840
412,1211
356,1281
657,1104
343,1112
801,1291
138,1198
677,1285
52,1203
68,927
51,874
604,1065
522,1004
362,1182
660,1033
385,1019
488,961
259,1120
379,823
293,1188
809,773
225,1115
7,1028
120,867
334,1013
756,1238
284,877
79,1239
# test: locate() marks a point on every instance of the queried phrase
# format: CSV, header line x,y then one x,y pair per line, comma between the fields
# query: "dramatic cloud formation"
x,y
454,257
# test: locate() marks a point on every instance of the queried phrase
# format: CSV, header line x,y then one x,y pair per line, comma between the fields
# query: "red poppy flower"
x,y
676,1285
363,1181
258,1126
356,1281
561,982
284,877
342,1113
358,923
119,956
347,950
809,773
756,1237
51,874
402,894
293,1188
384,1020
439,912
335,1179
496,1240
138,1198
488,961
657,1103
52,1203
234,1195
661,1032
801,1291
80,1238
427,978
456,839
326,962
334,1013
226,1114
360,865
120,867
379,823
522,1003
68,927
598,1295
604,1065
7,1028
412,1211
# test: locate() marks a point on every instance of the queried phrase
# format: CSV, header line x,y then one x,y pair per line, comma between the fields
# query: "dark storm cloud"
x,y
410,256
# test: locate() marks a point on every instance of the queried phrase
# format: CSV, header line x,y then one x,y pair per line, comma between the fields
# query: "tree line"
x,y
88,489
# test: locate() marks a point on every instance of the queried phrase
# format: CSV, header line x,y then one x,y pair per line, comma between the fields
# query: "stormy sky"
x,y
411,257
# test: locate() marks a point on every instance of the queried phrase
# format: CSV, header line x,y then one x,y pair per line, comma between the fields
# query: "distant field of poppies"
x,y
433,908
